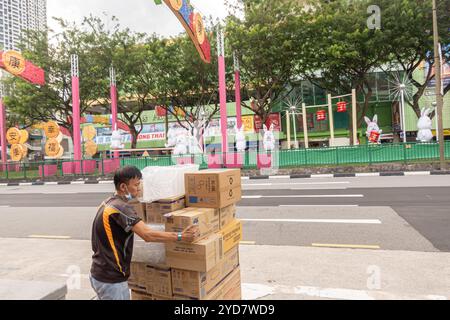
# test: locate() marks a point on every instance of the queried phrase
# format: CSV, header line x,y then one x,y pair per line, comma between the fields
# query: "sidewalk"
x,y
267,272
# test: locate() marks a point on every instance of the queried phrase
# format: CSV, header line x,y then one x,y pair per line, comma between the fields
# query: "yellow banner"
x,y
248,123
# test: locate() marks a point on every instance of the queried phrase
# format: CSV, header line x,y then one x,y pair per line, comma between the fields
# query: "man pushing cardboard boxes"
x,y
208,268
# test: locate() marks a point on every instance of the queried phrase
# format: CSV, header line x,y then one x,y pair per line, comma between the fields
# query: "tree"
x,y
408,33
53,101
340,50
266,40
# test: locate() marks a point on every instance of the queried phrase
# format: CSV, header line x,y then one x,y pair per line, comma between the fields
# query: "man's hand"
x,y
190,234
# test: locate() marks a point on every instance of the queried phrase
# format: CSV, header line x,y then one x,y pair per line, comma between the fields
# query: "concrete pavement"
x,y
268,272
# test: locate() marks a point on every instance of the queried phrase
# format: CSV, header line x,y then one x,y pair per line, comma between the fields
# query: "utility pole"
x,y
439,95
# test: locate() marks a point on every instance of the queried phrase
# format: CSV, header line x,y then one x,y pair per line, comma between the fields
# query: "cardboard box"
x,y
213,188
155,211
208,221
229,289
137,295
198,285
232,235
139,208
200,256
227,216
158,282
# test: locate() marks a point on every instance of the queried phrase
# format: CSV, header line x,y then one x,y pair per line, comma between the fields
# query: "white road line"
x,y
49,237
106,182
315,196
295,184
25,184
320,176
51,183
279,177
251,197
317,188
337,221
77,182
245,178
418,173
371,174
3,184
320,206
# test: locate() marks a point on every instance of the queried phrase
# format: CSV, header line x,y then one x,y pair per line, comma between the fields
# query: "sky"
x,y
138,15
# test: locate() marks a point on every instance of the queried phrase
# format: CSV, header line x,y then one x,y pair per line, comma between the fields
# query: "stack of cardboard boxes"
x,y
208,268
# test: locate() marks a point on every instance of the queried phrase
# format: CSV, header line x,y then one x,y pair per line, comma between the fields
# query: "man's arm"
x,y
149,235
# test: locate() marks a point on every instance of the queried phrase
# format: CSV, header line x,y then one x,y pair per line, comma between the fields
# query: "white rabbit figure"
x,y
424,125
116,140
194,144
241,142
181,146
171,138
372,126
269,138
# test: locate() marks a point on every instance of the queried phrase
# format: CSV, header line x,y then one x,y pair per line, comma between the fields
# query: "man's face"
x,y
134,187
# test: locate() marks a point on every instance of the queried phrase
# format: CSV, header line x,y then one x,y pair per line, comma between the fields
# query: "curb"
x,y
293,176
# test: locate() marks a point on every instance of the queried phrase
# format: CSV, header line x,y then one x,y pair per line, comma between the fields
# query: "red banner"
x,y
15,63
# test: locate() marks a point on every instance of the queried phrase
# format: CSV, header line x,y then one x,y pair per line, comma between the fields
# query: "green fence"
x,y
364,154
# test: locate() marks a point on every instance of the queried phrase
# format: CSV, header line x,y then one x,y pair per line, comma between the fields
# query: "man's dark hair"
x,y
125,174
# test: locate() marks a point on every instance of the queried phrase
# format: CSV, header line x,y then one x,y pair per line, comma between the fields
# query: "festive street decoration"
x,y
17,65
424,125
342,107
53,134
192,22
373,132
321,115
160,111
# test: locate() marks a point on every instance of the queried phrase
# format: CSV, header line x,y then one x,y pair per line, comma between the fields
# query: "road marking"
x,y
3,184
340,221
106,182
5,206
319,206
418,173
295,184
308,196
279,177
51,183
321,176
25,184
245,178
347,246
248,243
77,182
49,237
369,174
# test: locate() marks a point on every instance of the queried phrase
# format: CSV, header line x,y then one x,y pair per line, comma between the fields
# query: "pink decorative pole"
x,y
76,109
237,77
4,158
114,109
222,90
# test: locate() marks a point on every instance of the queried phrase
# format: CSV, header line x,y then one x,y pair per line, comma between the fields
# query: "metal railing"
x,y
336,156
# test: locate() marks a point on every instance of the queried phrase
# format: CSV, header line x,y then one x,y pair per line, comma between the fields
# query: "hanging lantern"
x,y
160,111
321,115
342,106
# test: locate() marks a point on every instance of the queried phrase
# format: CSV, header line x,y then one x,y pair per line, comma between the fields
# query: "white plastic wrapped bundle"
x,y
165,182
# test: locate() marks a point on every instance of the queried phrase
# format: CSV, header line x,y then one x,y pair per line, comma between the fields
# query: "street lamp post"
x,y
439,95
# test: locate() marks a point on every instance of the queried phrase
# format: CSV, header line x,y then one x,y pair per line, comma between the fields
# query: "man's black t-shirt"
x,y
112,240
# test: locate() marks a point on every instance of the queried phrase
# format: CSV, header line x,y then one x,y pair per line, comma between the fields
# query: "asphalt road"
x,y
391,213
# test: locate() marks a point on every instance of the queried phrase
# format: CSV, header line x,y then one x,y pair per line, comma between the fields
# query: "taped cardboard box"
x,y
155,211
158,282
137,295
139,208
227,216
207,220
200,256
229,289
198,285
232,235
213,188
